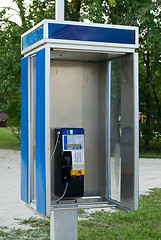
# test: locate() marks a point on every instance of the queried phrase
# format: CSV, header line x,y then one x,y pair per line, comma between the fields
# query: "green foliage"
x,y
141,224
10,91
39,10
146,15
8,140
150,73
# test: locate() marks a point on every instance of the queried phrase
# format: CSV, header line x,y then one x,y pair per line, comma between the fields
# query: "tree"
x,y
150,69
10,56
146,15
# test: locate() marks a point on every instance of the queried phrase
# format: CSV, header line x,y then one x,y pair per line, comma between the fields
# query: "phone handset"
x,y
66,165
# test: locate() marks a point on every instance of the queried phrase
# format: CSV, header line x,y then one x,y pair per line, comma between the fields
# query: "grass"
x,y
142,224
150,155
154,150
7,140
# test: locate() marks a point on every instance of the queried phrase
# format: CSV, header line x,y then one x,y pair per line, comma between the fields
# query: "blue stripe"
x,y
24,129
66,131
33,37
93,34
65,142
40,132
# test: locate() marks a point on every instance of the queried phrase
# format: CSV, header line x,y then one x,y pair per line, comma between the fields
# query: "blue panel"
x,y
33,37
65,142
93,34
40,132
24,129
66,131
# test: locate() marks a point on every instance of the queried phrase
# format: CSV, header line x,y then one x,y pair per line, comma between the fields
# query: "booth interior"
x,y
94,91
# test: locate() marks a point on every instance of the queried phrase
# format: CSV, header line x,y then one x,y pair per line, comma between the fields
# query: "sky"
x,y
9,3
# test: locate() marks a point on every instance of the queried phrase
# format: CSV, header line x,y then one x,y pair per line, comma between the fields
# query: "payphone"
x,y
69,68
69,162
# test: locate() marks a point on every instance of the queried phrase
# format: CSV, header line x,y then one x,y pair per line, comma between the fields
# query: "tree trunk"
x,y
20,4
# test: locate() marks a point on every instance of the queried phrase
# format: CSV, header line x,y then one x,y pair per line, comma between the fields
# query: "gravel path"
x,y
12,209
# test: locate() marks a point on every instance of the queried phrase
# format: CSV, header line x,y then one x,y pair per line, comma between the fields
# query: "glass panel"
x,y
122,131
32,128
115,143
127,141
33,37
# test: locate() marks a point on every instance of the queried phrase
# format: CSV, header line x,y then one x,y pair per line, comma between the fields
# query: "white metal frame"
x,y
136,128
108,162
77,47
29,131
30,139
60,10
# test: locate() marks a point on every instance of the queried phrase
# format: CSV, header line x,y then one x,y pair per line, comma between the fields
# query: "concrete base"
x,y
64,225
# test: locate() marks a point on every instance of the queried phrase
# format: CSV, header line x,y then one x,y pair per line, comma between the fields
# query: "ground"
x,y
12,209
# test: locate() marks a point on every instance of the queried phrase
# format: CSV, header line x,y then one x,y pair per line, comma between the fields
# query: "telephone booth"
x,y
79,116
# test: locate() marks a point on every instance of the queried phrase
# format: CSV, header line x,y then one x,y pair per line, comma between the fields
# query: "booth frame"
x,y
44,46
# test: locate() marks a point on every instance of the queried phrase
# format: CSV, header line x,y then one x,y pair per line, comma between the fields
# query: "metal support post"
x,y
59,16
64,225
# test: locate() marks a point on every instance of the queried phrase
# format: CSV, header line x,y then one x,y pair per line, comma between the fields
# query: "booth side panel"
x,y
40,132
129,141
24,129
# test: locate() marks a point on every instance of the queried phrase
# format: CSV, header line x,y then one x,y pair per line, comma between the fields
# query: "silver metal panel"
x,y
83,56
64,225
74,97
127,138
102,157
90,121
108,162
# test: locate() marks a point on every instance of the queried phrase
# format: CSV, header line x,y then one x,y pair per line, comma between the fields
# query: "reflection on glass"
x,y
115,129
